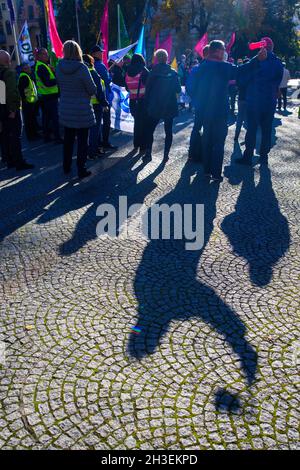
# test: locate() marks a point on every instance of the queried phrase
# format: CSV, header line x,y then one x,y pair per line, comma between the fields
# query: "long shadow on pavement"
x,y
167,287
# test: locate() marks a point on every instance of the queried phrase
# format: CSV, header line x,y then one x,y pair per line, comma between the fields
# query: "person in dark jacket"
x,y
261,97
136,78
29,97
97,53
99,103
11,118
75,109
162,87
48,95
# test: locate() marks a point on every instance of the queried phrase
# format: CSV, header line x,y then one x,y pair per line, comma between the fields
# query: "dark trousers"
x,y
214,136
11,140
82,147
262,118
138,111
95,131
151,126
50,117
232,95
195,150
105,127
29,118
241,117
282,97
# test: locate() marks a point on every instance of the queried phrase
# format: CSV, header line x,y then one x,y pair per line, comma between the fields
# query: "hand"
x,y
262,55
12,115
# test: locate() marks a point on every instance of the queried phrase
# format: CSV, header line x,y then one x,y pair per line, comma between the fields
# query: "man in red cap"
x,y
261,97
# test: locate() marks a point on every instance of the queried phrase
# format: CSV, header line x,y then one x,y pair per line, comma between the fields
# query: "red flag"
x,y
230,44
201,44
167,44
104,31
54,37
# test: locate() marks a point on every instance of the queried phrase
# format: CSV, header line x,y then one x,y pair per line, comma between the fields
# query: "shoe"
x,y
243,161
92,157
208,175
110,146
147,157
100,152
84,174
59,141
24,166
47,140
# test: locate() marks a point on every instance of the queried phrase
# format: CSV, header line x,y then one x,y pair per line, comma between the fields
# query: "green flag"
x,y
123,38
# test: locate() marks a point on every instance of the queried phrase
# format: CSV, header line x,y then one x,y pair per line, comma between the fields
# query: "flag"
x,y
230,44
167,44
56,43
140,48
12,15
174,64
120,53
201,44
123,38
25,48
104,32
156,47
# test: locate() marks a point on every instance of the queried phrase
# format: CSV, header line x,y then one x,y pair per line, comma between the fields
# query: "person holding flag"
x,y
48,93
29,97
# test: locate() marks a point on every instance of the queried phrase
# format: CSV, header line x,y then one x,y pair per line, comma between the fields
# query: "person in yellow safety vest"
x,y
29,97
48,95
99,103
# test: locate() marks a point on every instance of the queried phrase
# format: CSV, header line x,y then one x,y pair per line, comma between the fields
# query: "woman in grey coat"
x,y
75,110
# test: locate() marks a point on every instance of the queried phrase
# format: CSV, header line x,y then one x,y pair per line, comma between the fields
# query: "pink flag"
x,y
167,44
201,44
104,32
230,44
54,37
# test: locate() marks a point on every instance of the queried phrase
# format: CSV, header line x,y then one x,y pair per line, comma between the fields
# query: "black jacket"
x,y
162,86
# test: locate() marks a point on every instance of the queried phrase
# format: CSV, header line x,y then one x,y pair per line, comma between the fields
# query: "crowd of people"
x,y
77,96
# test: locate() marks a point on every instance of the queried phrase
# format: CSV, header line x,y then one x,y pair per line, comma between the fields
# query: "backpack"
x,y
2,97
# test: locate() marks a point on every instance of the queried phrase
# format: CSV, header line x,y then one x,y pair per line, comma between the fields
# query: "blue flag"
x,y
140,48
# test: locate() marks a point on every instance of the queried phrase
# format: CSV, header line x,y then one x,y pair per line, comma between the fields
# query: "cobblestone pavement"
x,y
215,365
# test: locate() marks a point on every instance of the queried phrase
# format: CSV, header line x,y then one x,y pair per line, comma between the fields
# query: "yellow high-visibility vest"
x,y
31,91
41,87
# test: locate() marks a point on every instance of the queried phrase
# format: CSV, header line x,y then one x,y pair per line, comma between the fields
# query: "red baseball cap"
x,y
269,43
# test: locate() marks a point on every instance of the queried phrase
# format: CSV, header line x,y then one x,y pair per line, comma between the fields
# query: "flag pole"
x,y
77,22
16,44
119,32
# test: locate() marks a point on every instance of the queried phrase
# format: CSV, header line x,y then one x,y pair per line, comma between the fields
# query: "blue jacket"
x,y
76,89
208,87
262,79
104,74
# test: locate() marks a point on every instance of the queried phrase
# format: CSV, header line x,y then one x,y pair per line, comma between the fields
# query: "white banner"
x,y
121,118
116,56
25,48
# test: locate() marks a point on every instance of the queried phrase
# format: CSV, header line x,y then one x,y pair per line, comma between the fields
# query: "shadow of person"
x,y
168,283
85,229
257,230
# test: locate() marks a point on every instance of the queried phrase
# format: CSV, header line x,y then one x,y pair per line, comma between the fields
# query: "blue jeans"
x,y
213,140
262,118
95,131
